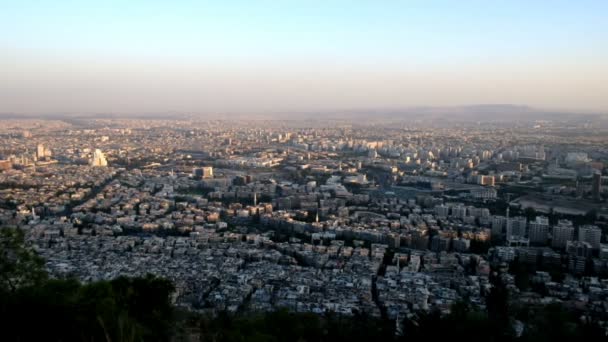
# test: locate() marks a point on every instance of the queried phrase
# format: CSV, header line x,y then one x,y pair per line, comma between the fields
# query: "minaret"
x,y
34,216
507,220
255,199
317,217
508,206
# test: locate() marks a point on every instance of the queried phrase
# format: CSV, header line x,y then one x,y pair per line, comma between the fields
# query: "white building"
x,y
516,226
539,230
40,151
590,234
442,210
498,225
484,193
576,157
562,233
99,159
207,172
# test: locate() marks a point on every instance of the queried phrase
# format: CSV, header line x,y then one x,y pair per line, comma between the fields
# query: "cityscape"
x,y
303,171
388,219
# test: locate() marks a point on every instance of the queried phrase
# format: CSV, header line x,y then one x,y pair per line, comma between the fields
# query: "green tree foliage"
x,y
530,213
480,246
282,325
35,308
124,309
462,324
554,323
497,301
522,273
19,266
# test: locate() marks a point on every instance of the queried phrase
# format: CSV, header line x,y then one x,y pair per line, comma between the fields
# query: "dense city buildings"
x,y
304,171
391,219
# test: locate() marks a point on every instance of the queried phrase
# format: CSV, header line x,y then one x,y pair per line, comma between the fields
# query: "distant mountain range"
x,y
484,112
481,112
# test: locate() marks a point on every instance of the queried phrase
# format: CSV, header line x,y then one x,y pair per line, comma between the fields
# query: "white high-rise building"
x,y
562,233
516,231
590,234
40,151
99,159
516,226
498,225
459,212
539,230
442,210
207,172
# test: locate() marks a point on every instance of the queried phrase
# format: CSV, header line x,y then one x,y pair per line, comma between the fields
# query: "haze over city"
x,y
292,56
315,171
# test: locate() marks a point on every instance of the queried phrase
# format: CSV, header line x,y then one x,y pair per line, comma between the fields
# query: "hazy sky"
x,y
239,56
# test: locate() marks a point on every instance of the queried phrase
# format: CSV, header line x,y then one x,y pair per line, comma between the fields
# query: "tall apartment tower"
x,y
498,225
539,230
207,172
516,226
562,233
590,234
99,159
596,186
40,151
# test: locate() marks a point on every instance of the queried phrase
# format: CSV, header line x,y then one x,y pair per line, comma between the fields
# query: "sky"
x,y
270,56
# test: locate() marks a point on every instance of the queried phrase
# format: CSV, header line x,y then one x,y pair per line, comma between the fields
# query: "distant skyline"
x,y
272,56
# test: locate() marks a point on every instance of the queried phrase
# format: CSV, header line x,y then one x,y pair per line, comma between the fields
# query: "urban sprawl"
x,y
389,218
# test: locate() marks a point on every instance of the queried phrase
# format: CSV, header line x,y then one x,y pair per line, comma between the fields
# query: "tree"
x,y
36,308
19,265
497,300
530,213
591,216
